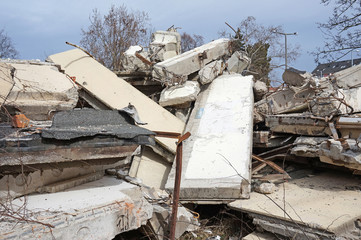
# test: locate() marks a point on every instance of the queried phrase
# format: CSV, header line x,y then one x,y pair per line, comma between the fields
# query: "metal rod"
x,y
178,176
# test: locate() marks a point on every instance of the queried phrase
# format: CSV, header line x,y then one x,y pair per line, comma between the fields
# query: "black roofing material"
x,y
332,67
90,122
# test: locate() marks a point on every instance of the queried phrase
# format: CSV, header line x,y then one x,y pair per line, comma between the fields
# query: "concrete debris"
x,y
266,188
6,81
307,146
89,72
342,153
131,60
260,89
212,70
165,45
238,62
40,90
179,95
294,77
222,116
67,122
175,70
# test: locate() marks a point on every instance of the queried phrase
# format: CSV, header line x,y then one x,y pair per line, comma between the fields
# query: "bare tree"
x,y
7,49
189,42
265,48
342,31
109,36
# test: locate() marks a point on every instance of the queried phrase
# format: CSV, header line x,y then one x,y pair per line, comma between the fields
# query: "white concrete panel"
x,y
216,158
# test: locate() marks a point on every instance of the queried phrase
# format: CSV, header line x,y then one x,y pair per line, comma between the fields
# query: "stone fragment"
x,y
260,89
238,62
131,62
266,188
175,70
181,94
294,77
165,45
348,78
209,72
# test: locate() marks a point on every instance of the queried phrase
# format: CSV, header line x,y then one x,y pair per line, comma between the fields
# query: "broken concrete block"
x,y
260,89
238,62
294,77
175,70
297,123
266,188
334,152
349,127
209,72
348,78
40,90
160,168
97,210
313,208
335,102
6,81
216,157
117,93
307,146
181,94
131,62
165,45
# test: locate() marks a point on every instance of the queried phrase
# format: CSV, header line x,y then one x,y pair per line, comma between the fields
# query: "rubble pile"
x,y
87,153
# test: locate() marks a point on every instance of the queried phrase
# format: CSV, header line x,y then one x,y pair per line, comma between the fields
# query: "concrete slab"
x,y
117,93
317,206
40,90
349,78
165,45
180,94
6,81
176,69
216,158
96,210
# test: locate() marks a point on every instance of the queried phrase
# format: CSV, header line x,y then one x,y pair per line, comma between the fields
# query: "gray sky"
x,y
40,28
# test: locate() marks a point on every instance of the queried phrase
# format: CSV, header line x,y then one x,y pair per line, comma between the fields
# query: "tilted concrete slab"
x,y
319,206
180,94
216,158
176,69
40,90
6,81
349,78
96,210
117,93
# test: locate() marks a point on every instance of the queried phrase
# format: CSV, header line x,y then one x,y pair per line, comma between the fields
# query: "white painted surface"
x,y
117,93
225,128
180,94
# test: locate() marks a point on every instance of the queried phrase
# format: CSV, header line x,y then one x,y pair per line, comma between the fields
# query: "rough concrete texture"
x,y
151,168
266,188
19,184
212,70
297,123
216,157
348,78
6,81
40,90
319,206
238,62
341,101
96,210
176,69
131,62
307,146
181,94
165,45
117,93
90,122
294,77
333,152
260,89
260,236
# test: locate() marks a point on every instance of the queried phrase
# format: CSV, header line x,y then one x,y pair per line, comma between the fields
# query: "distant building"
x,y
326,69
